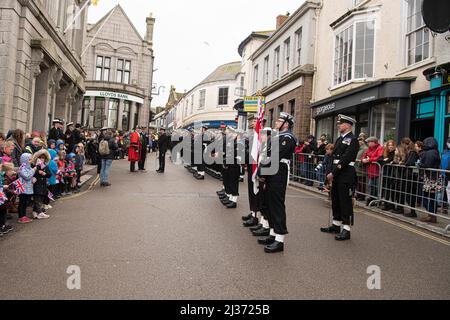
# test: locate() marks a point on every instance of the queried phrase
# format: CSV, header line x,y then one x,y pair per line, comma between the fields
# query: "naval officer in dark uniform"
x,y
343,179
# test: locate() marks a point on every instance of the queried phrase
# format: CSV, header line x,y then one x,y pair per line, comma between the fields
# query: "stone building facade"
x,y
119,66
41,74
283,68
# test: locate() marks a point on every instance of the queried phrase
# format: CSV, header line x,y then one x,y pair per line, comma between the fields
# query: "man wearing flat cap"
x,y
343,179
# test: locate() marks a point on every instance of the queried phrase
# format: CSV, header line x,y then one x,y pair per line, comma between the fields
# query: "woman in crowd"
x,y
400,173
429,160
412,178
18,138
388,188
370,159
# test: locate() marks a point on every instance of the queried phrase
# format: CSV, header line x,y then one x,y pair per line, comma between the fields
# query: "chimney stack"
x,y
149,36
281,19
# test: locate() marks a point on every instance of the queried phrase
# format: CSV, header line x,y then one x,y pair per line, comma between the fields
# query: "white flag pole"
x,y
88,2
98,31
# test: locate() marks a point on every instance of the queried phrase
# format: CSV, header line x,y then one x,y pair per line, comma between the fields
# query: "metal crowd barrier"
x,y
402,189
308,169
417,190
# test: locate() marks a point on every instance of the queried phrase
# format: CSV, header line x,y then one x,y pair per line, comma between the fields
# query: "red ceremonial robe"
x,y
135,146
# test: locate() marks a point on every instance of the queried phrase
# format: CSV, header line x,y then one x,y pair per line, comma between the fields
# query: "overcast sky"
x,y
193,37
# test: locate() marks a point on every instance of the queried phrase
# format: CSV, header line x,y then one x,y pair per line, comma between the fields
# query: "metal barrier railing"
x,y
397,187
308,169
416,189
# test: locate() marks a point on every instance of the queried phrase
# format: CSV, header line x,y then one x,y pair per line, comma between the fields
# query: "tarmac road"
x,y
153,236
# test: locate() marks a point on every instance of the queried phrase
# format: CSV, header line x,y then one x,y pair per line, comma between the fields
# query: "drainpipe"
x,y
316,46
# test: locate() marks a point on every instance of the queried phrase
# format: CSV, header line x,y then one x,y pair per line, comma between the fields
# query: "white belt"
x,y
351,164
288,162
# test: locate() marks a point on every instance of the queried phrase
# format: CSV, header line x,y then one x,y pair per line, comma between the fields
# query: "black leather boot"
x,y
331,229
261,232
267,241
274,247
259,226
344,235
252,222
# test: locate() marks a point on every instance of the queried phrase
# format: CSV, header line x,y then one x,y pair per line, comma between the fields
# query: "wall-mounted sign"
x,y
324,109
251,104
114,95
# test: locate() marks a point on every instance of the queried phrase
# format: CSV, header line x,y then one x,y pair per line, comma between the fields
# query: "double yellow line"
x,y
91,187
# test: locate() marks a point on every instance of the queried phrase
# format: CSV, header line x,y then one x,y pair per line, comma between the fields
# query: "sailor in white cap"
x,y
56,132
343,179
276,185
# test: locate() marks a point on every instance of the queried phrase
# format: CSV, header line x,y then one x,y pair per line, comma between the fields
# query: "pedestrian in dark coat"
x,y
432,180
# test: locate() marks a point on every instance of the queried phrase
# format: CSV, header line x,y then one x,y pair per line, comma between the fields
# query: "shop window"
x,y
113,113
126,116
325,127
99,112
383,122
85,111
425,108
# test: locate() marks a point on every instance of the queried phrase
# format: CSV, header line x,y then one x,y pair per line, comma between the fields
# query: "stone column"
x,y
77,108
37,57
132,114
56,87
120,115
45,88
91,112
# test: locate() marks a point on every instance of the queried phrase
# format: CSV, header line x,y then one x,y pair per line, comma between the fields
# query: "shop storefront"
x,y
431,109
111,109
381,109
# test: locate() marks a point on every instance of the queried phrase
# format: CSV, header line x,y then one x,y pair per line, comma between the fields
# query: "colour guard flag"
x,y
256,146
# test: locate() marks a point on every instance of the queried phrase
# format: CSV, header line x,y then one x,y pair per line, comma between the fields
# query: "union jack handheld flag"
x,y
19,187
3,197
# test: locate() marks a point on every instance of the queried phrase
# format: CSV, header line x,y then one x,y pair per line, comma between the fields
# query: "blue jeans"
x,y
373,186
104,173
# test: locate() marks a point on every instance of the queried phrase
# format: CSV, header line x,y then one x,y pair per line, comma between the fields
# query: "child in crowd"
x,y
79,162
52,181
51,144
328,165
60,146
40,162
26,174
4,198
60,175
71,174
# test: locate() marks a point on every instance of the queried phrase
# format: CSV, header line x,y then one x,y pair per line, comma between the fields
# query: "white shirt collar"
x,y
345,134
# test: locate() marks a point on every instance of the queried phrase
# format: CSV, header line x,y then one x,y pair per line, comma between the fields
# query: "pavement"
x,y
159,237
